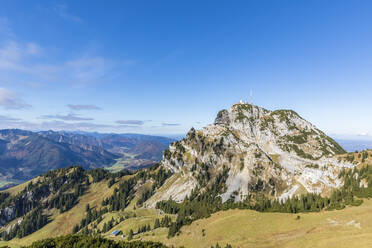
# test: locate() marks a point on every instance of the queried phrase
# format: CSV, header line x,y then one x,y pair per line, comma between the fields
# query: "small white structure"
x,y
114,233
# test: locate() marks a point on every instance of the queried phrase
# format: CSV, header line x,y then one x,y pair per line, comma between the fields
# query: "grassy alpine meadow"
x,y
350,227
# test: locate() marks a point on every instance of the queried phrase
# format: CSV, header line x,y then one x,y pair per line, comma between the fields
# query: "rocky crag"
x,y
274,152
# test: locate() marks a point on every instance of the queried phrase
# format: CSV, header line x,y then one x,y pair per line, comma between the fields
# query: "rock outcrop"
x,y
275,152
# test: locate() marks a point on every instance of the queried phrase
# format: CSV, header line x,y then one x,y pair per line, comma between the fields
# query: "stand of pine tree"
x,y
73,241
202,205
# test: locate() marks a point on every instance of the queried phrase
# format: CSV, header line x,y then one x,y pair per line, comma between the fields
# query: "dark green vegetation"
x,y
354,178
158,179
294,142
336,147
203,204
25,154
298,151
31,223
163,222
125,193
121,196
241,116
218,246
79,241
59,189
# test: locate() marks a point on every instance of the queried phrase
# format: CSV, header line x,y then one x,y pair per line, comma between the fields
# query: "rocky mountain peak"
x,y
275,152
238,113
284,128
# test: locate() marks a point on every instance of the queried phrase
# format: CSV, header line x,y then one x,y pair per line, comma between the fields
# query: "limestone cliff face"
x,y
275,152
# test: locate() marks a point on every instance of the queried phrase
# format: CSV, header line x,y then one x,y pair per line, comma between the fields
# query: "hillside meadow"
x,y
345,228
350,227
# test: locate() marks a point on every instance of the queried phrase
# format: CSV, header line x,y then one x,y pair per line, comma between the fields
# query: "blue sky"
x,y
161,67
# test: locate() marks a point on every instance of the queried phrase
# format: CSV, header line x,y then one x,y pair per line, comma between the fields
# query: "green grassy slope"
x,y
350,227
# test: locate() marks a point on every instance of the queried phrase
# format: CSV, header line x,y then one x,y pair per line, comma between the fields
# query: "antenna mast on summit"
x,y
251,97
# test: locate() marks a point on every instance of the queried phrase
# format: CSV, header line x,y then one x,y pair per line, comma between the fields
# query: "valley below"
x,y
26,154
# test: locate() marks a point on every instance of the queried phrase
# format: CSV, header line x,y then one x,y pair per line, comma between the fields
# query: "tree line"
x,y
31,223
202,204
72,241
62,189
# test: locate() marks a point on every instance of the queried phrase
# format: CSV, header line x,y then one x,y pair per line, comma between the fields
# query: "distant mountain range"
x,y
25,154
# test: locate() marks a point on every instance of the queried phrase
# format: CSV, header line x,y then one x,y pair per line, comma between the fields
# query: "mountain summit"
x,y
274,152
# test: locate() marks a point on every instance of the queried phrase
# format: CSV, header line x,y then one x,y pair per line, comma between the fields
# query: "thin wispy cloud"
x,y
12,100
8,119
13,56
87,69
54,125
26,59
61,125
15,51
69,117
66,123
19,60
79,72
363,134
83,107
130,122
33,49
63,12
7,122
170,124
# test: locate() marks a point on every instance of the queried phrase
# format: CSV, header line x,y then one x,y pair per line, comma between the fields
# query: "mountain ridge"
x,y
274,151
25,154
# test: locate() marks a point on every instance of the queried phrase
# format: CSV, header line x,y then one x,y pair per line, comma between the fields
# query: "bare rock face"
x,y
222,118
6,215
275,152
